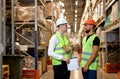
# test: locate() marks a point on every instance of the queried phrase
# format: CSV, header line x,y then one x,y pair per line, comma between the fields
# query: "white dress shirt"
x,y
52,43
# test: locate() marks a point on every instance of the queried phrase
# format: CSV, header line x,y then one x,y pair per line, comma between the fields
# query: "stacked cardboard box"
x,y
49,9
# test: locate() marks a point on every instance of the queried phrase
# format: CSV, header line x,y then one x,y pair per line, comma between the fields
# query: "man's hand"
x,y
67,60
85,69
79,58
79,62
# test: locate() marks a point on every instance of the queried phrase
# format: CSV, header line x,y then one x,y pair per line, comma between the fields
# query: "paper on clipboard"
x,y
73,65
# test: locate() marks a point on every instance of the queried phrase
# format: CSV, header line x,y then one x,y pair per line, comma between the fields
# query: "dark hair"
x,y
58,25
94,26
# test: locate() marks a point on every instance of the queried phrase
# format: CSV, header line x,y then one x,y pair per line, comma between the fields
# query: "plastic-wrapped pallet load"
x,y
24,13
27,14
49,9
115,11
57,10
27,33
41,16
28,63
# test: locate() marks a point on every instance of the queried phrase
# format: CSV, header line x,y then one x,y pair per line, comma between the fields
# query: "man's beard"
x,y
87,31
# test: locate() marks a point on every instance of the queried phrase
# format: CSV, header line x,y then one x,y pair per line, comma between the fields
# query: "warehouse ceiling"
x,y
73,11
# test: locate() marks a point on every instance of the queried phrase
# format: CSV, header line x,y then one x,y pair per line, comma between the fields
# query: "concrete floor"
x,y
76,74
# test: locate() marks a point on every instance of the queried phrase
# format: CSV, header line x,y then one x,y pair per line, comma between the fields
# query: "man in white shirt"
x,y
60,57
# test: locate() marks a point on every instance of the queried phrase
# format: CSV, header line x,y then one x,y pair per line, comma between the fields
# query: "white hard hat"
x,y
61,21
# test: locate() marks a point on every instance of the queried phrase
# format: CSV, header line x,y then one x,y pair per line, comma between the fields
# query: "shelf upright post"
x,y
52,27
4,26
36,37
106,49
1,21
13,31
1,58
45,52
119,36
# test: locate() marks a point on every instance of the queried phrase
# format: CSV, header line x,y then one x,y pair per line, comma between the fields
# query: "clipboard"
x,y
73,65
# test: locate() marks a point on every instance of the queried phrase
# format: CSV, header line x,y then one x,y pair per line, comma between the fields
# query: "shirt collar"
x,y
59,33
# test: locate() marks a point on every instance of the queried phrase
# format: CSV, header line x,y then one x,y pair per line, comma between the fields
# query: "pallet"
x,y
5,71
31,74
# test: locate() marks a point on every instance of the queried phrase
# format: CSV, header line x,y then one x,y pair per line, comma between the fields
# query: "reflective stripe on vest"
x,y
87,52
59,49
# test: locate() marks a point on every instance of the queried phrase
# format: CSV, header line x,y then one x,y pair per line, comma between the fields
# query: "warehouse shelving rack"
x,y
13,24
2,33
36,26
112,36
113,48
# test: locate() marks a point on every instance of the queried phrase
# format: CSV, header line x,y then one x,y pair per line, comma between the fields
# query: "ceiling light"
x,y
75,19
75,11
75,15
76,2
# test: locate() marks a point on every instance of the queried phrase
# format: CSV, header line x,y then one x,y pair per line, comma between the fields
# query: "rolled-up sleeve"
x,y
52,43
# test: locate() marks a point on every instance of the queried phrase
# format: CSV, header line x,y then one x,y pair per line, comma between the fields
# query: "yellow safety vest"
x,y
87,51
59,49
